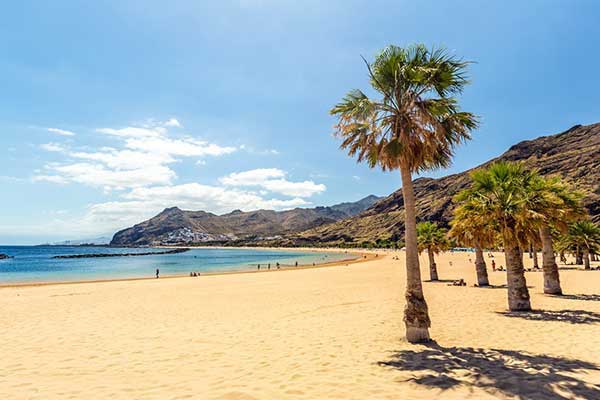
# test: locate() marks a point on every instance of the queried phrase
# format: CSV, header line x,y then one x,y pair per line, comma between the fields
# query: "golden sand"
x,y
325,333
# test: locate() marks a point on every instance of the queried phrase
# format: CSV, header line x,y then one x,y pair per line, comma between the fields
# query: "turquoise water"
x,y
35,263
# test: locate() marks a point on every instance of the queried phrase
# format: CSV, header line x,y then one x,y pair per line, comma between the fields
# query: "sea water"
x,y
36,263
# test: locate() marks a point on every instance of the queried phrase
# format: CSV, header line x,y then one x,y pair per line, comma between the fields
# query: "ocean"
x,y
36,263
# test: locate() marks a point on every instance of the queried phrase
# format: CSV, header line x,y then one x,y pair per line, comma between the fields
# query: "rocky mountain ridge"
x,y
176,226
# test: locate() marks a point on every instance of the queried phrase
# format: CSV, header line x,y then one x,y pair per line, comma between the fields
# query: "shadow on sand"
x,y
497,287
584,297
570,316
512,373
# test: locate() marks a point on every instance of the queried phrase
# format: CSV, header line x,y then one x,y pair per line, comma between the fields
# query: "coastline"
x,y
359,256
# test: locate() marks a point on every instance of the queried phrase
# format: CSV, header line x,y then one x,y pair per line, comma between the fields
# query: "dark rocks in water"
x,y
99,255
5,256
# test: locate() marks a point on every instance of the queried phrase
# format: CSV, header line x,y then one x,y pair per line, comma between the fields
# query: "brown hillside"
x,y
573,155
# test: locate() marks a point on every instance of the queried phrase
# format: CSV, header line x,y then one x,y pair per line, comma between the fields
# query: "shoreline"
x,y
359,257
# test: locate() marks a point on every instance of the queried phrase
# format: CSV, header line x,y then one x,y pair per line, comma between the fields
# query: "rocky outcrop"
x,y
4,256
101,255
574,155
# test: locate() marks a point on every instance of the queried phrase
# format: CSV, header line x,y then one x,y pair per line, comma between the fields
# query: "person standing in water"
x,y
157,272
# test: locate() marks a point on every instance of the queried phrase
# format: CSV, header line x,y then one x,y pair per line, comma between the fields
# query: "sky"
x,y
111,111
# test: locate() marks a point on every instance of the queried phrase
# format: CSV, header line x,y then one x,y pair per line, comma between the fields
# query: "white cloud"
x,y
133,132
186,147
140,159
252,150
53,147
99,176
254,177
173,122
272,179
61,132
209,198
299,189
125,159
50,178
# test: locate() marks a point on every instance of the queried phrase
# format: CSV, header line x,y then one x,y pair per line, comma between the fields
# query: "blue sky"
x,y
113,110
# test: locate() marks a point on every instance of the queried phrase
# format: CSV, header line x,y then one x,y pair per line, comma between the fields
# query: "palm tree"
x,y
432,238
503,193
413,126
558,205
584,236
474,232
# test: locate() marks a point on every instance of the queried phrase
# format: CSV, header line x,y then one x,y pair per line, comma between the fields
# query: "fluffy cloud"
x,y
53,147
272,179
100,176
142,160
133,132
61,132
173,122
209,198
125,159
186,147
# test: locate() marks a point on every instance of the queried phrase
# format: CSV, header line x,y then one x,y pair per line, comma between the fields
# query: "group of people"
x,y
269,266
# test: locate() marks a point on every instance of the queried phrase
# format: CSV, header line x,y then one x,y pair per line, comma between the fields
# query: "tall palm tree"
x,y
413,125
474,232
584,236
432,238
503,193
558,205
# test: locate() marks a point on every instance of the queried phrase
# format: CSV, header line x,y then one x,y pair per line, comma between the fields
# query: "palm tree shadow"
x,y
570,316
584,297
522,375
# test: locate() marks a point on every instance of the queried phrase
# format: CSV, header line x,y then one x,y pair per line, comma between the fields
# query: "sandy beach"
x,y
323,333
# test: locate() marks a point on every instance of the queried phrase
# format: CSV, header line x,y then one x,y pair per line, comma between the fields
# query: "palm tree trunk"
x,y
433,275
481,268
586,258
578,257
551,276
416,315
518,295
535,258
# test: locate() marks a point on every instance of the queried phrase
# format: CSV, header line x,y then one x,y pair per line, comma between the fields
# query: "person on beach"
x,y
157,272
259,267
493,265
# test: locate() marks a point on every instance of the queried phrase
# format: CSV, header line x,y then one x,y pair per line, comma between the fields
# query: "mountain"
x,y
574,155
174,225
99,241
351,209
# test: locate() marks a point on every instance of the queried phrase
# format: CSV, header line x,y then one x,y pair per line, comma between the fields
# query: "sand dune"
x,y
326,333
